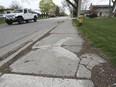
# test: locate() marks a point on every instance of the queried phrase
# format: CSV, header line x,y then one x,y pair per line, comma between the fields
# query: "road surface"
x,y
10,35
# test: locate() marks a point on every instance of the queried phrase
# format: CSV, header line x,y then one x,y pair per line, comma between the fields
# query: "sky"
x,y
34,3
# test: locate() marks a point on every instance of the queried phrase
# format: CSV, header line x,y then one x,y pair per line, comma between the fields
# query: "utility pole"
x,y
109,8
79,7
72,12
114,8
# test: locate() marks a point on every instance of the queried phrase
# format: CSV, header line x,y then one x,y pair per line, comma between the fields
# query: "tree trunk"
x,y
113,7
75,7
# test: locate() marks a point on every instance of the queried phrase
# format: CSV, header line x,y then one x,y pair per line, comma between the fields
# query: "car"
x,y
20,15
2,16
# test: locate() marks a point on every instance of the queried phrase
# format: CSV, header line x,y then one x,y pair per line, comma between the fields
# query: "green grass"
x,y
102,33
2,21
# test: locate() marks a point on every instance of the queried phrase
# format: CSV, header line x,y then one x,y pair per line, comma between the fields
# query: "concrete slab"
x,y
66,27
85,61
90,60
93,63
83,72
75,49
53,61
114,85
94,57
77,41
97,58
89,67
53,39
9,80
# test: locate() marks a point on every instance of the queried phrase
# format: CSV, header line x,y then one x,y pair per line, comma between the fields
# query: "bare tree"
x,y
84,4
73,5
15,5
65,4
114,5
27,1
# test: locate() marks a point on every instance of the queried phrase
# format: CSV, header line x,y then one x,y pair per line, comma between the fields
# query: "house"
x,y
101,10
86,12
5,11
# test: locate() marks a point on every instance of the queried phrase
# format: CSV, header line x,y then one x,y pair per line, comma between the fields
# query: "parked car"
x,y
20,15
2,16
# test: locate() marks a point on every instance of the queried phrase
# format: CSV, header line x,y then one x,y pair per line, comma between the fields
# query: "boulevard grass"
x,y
2,21
102,34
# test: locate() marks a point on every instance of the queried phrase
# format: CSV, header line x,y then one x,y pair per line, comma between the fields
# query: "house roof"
x,y
5,9
86,11
100,5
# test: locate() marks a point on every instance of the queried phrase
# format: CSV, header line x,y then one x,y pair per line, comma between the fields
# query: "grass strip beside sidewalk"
x,y
2,21
102,33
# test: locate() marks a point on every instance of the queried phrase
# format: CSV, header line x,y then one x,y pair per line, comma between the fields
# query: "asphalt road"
x,y
12,33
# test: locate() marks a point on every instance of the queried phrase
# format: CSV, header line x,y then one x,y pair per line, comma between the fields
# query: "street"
x,y
51,61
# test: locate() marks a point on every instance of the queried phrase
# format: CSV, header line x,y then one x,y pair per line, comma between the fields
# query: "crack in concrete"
x,y
50,76
86,67
1,74
58,44
77,68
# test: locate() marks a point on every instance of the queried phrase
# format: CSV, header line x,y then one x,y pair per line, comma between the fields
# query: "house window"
x,y
100,14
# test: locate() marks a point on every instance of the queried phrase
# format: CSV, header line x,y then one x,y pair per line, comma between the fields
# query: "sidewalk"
x,y
54,62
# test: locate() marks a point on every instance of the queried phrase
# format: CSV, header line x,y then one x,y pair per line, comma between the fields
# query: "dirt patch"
x,y
103,75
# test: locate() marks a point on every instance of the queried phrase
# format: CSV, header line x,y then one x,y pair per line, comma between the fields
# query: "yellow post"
x,y
80,18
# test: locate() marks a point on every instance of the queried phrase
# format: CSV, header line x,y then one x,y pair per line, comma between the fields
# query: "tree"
x,y
74,5
15,5
57,12
27,1
62,12
66,4
114,4
46,6
1,7
84,4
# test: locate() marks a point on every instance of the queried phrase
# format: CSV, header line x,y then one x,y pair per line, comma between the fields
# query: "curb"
x,y
34,39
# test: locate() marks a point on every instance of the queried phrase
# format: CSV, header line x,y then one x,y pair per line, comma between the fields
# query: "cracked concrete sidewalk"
x,y
54,58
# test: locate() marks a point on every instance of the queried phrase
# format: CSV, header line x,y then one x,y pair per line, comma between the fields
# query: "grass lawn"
x,y
102,33
2,21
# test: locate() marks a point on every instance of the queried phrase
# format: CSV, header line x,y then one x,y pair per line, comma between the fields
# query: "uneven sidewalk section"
x,y
8,52
53,62
32,81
